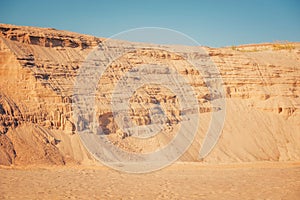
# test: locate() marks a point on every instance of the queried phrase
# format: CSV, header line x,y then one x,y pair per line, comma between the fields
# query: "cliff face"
x,y
38,69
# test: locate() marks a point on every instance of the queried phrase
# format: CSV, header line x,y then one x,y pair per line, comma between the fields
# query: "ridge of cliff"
x,y
39,66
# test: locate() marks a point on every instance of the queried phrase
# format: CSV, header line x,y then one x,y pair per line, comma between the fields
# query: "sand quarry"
x,y
257,155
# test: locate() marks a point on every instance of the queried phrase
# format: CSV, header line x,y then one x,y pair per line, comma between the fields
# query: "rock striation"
x,y
39,66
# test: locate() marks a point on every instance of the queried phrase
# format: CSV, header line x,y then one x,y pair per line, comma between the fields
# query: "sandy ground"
x,y
179,181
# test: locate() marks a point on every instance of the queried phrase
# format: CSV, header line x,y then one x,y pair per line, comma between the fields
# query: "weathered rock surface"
x,y
7,151
38,69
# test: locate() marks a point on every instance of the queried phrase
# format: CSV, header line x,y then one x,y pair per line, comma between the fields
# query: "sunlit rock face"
x,y
39,66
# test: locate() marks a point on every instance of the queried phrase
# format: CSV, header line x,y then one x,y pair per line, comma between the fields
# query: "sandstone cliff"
x,y
38,68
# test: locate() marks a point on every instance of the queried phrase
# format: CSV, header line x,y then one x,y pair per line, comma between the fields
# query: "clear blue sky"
x,y
211,22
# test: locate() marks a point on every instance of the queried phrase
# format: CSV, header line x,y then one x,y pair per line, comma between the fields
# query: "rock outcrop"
x,y
38,69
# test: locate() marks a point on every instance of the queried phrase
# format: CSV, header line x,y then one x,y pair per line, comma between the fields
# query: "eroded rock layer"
x,y
39,66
